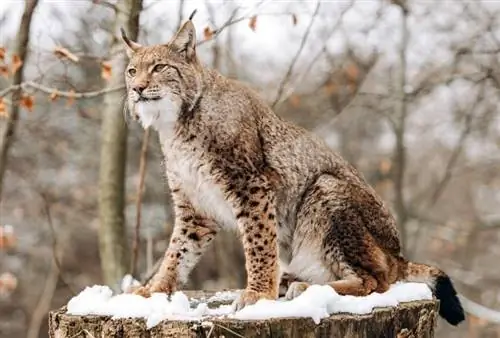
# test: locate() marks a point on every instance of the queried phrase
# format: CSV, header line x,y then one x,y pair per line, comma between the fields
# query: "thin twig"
x,y
88,333
229,330
149,274
55,246
211,330
457,150
307,70
289,72
440,186
43,304
231,21
400,154
368,69
138,203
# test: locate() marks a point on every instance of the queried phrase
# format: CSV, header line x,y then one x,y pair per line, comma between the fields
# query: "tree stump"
x,y
408,320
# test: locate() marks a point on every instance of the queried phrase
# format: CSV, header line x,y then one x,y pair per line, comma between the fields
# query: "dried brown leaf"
x,y
106,70
7,237
4,71
27,101
385,166
331,88
16,63
2,54
71,98
64,53
53,96
352,87
295,100
208,33
352,72
3,108
253,23
8,283
295,20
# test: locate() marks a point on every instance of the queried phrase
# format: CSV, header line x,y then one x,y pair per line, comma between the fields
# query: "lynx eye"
x,y
132,71
159,68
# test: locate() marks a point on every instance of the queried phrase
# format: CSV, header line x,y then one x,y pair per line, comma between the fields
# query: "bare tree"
x,y
21,51
112,232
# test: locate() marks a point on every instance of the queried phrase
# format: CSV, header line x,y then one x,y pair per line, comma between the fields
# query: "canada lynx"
x,y
232,163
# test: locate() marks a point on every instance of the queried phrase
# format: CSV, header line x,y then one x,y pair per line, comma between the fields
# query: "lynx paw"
x,y
296,289
142,291
249,297
148,290
285,281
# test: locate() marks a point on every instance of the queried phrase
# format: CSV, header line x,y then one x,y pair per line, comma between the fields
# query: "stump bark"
x,y
408,320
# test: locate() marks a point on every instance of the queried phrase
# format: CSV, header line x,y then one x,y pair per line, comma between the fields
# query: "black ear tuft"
x,y
192,14
449,308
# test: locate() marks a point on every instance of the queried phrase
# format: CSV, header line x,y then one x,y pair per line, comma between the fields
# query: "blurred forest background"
x,y
407,91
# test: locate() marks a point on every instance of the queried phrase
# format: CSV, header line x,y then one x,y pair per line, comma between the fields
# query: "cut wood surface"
x,y
412,319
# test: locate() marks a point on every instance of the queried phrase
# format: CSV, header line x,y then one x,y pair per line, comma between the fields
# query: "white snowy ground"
x,y
316,302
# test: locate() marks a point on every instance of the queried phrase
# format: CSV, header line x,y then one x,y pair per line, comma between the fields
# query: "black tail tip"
x,y
450,307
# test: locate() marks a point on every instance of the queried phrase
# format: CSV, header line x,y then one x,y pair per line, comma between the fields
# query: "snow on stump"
x,y
208,315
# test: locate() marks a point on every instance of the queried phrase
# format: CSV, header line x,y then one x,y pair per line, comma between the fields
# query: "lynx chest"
x,y
207,197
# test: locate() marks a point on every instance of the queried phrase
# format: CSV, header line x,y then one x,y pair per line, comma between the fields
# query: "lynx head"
x,y
164,80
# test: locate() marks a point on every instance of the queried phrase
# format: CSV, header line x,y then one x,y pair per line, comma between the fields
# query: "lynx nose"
x,y
139,88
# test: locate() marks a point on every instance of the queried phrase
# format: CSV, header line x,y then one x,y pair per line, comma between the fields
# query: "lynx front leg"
x,y
256,217
191,236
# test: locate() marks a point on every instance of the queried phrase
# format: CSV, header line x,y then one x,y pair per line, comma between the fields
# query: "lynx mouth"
x,y
148,99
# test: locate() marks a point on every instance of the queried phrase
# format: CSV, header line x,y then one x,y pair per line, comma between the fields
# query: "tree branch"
x,y
323,50
451,163
55,246
43,305
289,72
8,132
441,186
400,154
229,22
48,90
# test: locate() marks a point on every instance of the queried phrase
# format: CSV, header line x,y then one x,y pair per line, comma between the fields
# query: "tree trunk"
x,y
112,234
9,129
413,319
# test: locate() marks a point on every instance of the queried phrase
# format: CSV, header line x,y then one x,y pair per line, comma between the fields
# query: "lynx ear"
x,y
130,46
184,41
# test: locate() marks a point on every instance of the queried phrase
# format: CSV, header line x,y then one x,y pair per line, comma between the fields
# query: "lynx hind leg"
x,y
357,264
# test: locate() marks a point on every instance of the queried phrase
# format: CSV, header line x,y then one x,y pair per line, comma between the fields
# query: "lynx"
x,y
305,215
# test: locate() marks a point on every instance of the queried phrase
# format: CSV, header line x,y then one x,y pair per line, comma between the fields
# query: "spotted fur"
x,y
232,163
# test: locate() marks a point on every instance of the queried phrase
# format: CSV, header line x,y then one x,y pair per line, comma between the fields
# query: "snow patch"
x,y
317,302
223,296
128,282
